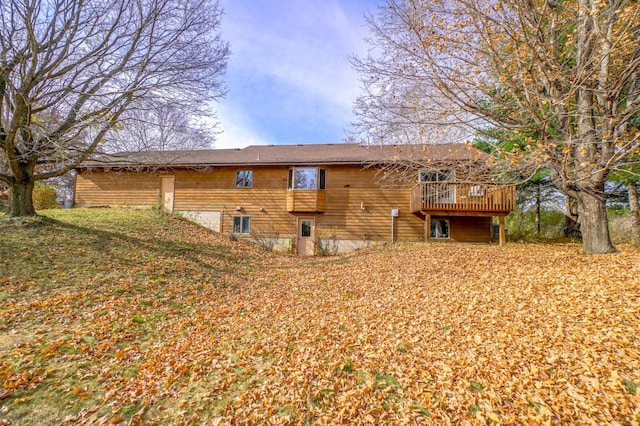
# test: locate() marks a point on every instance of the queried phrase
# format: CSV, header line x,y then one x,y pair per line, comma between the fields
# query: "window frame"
x,y
442,188
247,177
434,229
242,220
443,175
320,179
303,228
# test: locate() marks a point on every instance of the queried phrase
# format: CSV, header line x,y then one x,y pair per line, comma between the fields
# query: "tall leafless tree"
x,y
567,72
70,69
160,128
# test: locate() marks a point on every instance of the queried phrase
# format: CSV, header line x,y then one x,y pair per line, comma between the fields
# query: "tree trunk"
x,y
594,224
571,219
632,189
21,199
538,202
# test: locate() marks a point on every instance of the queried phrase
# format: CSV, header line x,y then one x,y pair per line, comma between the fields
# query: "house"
x,y
309,198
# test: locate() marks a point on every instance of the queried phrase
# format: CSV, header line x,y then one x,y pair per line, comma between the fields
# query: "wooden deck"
x,y
453,198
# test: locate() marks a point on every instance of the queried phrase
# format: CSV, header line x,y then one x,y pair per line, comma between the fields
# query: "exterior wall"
x,y
469,229
333,247
264,203
360,210
117,189
357,212
209,219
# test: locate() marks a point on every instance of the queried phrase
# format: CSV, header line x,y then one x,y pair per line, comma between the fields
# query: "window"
x,y
439,186
241,224
436,176
307,178
439,228
305,229
244,179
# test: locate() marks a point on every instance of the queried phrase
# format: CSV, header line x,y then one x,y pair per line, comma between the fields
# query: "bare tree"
x,y
565,75
70,69
160,128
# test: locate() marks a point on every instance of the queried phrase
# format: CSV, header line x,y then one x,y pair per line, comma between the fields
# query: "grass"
x,y
130,316
101,281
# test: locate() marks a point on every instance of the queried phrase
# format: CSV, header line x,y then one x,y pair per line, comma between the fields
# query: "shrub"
x,y
44,196
267,241
521,225
617,210
326,245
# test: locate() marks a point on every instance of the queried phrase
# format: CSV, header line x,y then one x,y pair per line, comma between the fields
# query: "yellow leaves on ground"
x,y
408,334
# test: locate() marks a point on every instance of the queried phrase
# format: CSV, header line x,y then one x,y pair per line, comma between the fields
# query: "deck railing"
x,y
460,197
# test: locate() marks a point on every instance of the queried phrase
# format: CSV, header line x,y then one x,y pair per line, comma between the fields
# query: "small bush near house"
x,y
266,241
327,242
44,196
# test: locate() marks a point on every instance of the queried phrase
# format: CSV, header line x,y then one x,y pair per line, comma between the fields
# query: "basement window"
x,y
307,178
440,228
241,224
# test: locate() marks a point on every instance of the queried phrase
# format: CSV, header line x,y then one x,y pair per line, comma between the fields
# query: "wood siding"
x,y
306,201
359,209
355,207
468,229
117,189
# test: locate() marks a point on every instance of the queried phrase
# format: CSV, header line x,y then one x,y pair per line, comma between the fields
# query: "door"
x,y
166,192
306,228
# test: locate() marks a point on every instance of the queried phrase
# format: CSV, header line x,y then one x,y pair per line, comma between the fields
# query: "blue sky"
x,y
289,76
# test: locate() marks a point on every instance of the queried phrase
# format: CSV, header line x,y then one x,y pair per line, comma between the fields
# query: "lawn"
x,y
135,317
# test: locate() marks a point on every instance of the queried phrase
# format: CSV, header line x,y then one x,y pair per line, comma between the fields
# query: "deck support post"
x,y
427,228
503,238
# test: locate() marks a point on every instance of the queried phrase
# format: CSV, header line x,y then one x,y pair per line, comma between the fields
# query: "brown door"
x,y
306,228
166,192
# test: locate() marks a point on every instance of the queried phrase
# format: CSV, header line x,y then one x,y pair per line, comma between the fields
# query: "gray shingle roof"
x,y
290,155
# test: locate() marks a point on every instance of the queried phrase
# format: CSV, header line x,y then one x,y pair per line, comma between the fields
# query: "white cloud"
x,y
309,48
238,131
301,48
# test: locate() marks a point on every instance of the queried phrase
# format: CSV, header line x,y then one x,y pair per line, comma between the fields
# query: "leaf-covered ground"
x,y
132,317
